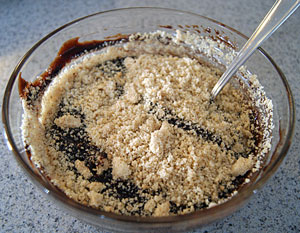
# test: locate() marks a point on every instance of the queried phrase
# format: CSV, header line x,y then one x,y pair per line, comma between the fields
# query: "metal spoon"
x,y
279,12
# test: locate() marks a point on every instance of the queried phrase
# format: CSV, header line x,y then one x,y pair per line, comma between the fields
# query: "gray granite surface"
x,y
275,208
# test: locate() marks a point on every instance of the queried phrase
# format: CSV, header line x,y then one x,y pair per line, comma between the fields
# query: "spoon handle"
x,y
279,12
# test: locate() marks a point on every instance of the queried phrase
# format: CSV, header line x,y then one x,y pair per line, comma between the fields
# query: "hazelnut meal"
x,y
128,127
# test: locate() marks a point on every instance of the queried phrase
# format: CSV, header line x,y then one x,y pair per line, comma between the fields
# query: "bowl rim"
x,y
210,212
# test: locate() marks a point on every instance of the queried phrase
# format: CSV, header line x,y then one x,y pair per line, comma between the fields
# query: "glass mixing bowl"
x,y
125,21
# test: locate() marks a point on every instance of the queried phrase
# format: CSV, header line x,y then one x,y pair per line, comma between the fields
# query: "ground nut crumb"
x,y
241,166
95,198
150,205
83,170
96,186
67,121
120,169
161,139
131,95
131,130
162,209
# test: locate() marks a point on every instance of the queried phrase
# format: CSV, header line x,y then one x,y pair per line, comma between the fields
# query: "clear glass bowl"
x,y
131,20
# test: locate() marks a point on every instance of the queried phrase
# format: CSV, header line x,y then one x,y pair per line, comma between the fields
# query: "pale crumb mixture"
x,y
132,131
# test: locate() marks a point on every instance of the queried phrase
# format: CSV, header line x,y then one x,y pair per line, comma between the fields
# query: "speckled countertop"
x,y
275,208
